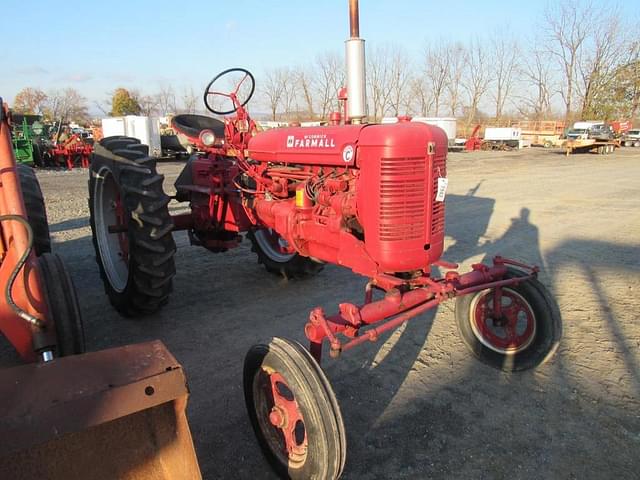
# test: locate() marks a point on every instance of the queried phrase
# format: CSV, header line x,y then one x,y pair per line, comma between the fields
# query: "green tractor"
x,y
29,137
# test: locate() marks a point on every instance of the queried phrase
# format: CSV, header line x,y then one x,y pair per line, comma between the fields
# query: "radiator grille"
x,y
437,209
402,198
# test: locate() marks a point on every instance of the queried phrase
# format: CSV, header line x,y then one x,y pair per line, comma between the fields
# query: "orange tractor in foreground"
x,y
113,414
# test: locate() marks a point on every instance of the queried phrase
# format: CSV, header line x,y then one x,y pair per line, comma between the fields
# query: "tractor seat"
x,y
191,125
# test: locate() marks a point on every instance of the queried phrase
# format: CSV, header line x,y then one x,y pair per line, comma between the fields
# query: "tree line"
x,y
582,62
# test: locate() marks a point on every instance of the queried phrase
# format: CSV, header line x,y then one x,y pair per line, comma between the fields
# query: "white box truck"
x,y
145,129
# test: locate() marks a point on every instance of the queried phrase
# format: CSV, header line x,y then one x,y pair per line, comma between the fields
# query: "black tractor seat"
x,y
191,125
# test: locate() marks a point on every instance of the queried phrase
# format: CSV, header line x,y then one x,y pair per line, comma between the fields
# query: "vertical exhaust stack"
x,y
356,86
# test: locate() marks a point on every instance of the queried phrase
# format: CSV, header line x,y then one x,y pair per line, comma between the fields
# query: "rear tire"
x,y
293,411
62,301
274,254
35,208
136,265
540,325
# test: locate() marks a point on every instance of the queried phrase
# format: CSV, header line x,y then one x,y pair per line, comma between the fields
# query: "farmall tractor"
x,y
368,197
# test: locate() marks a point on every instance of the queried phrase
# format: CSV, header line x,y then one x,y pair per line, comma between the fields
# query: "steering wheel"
x,y
233,96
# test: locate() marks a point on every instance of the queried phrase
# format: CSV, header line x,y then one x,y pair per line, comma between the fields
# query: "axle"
x,y
404,302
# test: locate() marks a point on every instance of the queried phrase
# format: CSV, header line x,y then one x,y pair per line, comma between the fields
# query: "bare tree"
x,y
457,60
273,89
330,76
379,78
290,94
66,105
505,64
436,70
476,77
567,27
388,76
537,77
305,85
166,100
148,104
400,81
422,99
598,62
189,100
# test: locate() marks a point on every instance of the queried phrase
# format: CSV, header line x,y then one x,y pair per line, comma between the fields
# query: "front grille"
x,y
437,209
402,198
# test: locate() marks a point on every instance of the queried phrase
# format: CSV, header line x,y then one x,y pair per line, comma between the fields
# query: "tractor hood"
x,y
331,145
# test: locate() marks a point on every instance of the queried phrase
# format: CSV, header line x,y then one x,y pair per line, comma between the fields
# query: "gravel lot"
x,y
416,404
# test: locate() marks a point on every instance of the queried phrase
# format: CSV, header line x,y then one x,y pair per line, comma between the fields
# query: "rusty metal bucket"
x,y
113,414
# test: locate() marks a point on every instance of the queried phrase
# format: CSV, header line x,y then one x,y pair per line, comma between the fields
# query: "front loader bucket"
x,y
113,414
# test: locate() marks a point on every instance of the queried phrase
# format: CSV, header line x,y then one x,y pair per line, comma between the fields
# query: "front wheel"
x,y
522,337
280,258
293,411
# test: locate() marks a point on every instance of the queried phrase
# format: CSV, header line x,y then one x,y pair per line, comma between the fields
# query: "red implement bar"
x,y
398,307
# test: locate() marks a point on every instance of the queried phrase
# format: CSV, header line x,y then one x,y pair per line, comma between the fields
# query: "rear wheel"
x,y
293,411
34,206
62,304
636,143
278,257
522,337
131,226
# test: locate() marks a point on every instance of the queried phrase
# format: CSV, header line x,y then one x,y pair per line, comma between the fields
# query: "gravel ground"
x,y
417,404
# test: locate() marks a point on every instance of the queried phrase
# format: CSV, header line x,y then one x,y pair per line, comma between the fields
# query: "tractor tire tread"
x,y
151,244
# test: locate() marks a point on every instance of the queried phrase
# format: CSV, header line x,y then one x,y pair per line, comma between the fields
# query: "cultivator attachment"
x,y
113,414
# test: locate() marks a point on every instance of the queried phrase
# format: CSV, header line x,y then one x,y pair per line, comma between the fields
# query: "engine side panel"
x,y
396,205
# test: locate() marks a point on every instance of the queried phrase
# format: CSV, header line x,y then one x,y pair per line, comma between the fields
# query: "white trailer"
x,y
495,137
145,129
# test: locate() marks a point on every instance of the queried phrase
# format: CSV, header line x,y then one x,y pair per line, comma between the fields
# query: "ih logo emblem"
x,y
290,141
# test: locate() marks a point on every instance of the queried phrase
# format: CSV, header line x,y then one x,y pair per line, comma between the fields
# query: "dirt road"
x,y
417,405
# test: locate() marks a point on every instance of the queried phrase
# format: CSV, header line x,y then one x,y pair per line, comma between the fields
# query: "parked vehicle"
x,y
602,131
631,138
578,134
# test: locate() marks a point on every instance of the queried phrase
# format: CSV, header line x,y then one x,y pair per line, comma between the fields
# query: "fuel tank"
x,y
331,145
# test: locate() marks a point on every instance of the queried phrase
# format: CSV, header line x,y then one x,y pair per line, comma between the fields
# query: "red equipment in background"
x,y
367,197
474,142
71,152
621,127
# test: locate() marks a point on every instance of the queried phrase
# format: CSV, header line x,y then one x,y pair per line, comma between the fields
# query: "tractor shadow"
x,y
446,415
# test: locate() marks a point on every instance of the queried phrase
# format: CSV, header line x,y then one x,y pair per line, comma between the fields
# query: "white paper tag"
x,y
442,189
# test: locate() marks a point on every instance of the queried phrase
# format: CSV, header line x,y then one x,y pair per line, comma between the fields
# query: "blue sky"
x,y
98,46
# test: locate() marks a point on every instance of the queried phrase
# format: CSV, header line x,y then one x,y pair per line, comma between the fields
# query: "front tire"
x,y
278,257
293,411
125,192
524,337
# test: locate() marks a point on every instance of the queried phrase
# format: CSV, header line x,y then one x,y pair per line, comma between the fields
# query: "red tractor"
x,y
365,196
